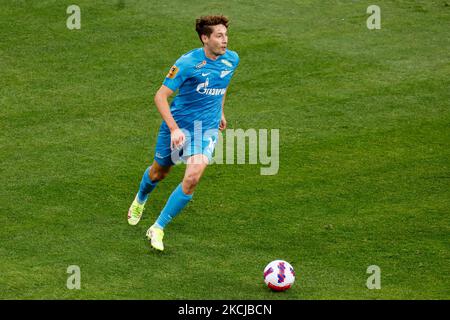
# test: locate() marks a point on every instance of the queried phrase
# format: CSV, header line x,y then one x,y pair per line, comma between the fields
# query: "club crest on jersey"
x,y
173,72
201,64
225,73
226,62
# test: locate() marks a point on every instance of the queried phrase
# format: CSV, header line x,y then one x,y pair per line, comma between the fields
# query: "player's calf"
x,y
149,180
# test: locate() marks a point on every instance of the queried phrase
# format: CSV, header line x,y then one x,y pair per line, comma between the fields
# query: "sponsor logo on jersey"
x,y
173,72
202,88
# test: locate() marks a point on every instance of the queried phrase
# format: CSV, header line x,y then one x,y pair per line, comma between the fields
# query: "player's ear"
x,y
204,38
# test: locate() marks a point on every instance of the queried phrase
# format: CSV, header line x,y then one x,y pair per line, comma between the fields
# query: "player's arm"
x,y
223,121
162,103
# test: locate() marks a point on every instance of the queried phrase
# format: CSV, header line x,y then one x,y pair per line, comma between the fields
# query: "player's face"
x,y
217,41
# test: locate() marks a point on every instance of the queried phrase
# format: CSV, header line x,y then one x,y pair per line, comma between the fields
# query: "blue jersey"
x,y
201,84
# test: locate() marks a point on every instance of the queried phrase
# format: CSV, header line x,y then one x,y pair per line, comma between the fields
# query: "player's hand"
x,y
177,139
223,123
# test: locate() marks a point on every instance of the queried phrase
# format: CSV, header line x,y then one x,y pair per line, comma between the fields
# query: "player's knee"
x,y
191,180
157,175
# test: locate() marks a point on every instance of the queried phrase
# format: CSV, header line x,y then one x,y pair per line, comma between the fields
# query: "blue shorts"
x,y
203,144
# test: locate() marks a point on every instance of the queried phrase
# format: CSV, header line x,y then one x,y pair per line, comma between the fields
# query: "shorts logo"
x,y
211,145
173,72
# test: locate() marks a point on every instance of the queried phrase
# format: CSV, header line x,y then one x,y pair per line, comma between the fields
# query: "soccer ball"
x,y
279,275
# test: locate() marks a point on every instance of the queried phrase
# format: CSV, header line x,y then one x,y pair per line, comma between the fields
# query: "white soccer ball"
x,y
279,275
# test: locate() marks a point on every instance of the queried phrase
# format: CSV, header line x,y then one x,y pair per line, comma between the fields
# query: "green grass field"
x,y
364,179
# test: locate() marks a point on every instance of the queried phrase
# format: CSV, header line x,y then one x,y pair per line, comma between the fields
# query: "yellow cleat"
x,y
135,212
155,235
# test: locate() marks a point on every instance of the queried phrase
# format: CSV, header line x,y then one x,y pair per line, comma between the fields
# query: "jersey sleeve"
x,y
178,73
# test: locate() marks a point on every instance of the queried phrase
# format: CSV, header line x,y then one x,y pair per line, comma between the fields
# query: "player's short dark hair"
x,y
203,24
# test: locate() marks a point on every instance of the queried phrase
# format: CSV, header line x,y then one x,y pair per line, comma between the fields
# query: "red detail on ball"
x,y
275,288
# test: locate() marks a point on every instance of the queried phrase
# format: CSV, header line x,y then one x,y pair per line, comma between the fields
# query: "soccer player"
x,y
201,77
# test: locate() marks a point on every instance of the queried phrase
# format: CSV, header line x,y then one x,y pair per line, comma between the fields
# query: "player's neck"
x,y
209,55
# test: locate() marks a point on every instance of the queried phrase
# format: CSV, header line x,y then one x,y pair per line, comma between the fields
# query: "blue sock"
x,y
146,187
177,201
